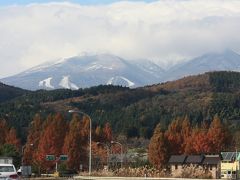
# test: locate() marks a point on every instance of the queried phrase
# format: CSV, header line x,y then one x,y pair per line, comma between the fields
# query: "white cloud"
x,y
165,31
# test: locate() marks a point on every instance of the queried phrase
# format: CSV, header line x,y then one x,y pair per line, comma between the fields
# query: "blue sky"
x,y
83,2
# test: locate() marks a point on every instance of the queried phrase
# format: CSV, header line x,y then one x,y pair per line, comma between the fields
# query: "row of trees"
x,y
182,138
56,136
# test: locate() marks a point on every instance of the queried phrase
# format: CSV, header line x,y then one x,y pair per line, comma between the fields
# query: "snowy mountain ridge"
x,y
92,70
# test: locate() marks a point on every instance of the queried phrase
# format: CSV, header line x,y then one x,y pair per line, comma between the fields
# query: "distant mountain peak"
x,y
87,70
100,69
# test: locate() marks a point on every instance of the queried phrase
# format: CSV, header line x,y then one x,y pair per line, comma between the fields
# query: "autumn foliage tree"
x,y
158,148
72,143
31,145
183,138
52,139
199,141
218,135
8,135
11,138
107,131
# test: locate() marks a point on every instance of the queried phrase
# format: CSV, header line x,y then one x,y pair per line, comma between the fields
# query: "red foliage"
x,y
107,131
51,140
75,142
31,145
11,138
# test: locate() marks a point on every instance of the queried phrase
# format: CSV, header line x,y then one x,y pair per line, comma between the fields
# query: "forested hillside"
x,y
135,112
10,92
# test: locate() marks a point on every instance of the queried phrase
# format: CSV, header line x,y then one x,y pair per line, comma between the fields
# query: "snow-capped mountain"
x,y
86,71
92,70
227,60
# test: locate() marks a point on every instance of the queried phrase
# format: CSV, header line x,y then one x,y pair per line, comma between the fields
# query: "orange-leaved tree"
x,y
51,140
72,143
34,134
11,138
107,131
218,135
158,150
186,132
174,136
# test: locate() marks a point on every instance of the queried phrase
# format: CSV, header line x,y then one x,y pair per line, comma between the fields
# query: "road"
x,y
128,178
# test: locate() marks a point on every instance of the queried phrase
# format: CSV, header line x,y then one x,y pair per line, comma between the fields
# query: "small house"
x,y
230,165
176,163
208,163
212,163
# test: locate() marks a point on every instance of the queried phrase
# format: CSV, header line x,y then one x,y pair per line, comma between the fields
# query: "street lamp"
x,y
115,142
90,138
107,147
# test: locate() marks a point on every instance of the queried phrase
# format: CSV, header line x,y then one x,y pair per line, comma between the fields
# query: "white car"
x,y
8,172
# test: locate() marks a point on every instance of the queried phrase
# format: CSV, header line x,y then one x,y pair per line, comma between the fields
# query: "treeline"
x,y
57,136
183,138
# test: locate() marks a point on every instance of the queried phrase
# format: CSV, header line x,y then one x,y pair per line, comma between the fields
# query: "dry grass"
x,y
194,172
145,171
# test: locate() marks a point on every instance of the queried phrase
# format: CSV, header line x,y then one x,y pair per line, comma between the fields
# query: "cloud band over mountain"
x,y
163,31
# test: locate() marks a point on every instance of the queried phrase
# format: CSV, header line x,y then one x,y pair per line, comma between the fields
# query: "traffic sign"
x,y
50,157
63,157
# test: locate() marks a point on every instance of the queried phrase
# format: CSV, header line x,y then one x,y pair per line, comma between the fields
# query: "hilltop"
x,y
10,92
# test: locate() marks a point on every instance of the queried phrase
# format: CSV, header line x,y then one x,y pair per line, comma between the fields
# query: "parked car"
x,y
8,172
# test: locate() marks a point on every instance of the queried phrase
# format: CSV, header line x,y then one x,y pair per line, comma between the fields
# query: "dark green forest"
x,y
133,112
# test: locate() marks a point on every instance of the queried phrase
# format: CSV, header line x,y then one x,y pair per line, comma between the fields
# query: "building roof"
x,y
211,159
177,159
4,157
194,159
230,156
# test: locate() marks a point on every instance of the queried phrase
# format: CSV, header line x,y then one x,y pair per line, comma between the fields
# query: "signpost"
x,y
62,157
50,157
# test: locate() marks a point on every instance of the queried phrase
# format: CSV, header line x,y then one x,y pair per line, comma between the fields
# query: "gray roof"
x,y
212,159
194,159
177,159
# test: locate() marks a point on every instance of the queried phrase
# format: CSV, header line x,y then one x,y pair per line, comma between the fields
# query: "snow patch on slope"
x,y
66,83
96,66
117,79
46,83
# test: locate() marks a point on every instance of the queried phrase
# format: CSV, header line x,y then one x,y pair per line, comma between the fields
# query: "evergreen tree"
x,y
9,150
